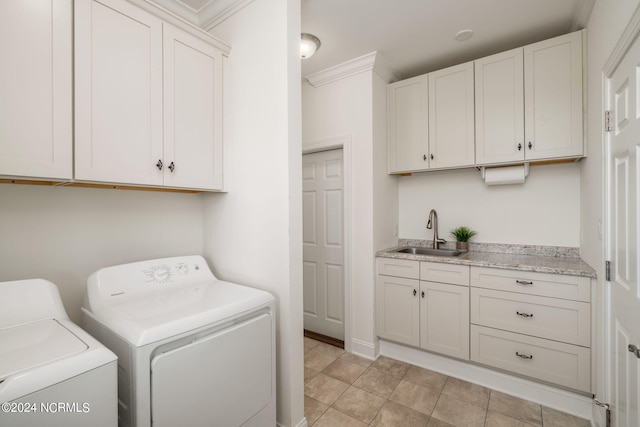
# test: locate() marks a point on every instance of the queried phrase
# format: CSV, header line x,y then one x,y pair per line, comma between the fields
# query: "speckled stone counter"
x,y
541,259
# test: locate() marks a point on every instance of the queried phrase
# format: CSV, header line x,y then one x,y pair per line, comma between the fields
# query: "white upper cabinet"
x,y
408,123
499,84
148,100
192,111
553,97
529,102
118,108
517,106
431,121
451,121
36,87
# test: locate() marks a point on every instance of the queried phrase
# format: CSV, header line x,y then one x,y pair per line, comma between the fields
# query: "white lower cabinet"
x,y
398,309
533,324
551,361
433,315
444,319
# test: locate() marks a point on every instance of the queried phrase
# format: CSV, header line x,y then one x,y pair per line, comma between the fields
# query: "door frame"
x,y
631,31
341,142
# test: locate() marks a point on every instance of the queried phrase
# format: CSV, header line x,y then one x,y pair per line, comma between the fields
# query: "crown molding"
x,y
369,62
581,14
180,9
219,11
208,16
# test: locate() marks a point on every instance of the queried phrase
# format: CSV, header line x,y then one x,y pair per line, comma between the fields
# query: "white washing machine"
x,y
192,350
52,373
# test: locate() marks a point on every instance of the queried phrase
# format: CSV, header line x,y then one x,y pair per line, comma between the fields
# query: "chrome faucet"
x,y
433,223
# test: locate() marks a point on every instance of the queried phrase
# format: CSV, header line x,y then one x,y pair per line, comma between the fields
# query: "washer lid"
x,y
180,309
35,344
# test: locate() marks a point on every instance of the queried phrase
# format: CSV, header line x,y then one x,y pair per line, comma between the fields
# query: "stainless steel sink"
x,y
428,251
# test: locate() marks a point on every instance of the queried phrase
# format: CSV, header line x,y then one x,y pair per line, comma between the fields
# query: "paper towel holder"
x,y
484,168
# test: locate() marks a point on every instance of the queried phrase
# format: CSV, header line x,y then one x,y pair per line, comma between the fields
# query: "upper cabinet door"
x,y
118,98
408,133
553,97
36,87
451,117
500,108
192,112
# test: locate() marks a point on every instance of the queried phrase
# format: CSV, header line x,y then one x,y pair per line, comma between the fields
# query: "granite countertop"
x,y
540,259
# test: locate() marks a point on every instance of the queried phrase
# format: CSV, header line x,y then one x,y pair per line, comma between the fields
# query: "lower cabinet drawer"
x,y
551,318
559,363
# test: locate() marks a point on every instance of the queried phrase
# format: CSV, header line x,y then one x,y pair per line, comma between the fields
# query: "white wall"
x,y
64,234
608,20
542,211
356,107
253,234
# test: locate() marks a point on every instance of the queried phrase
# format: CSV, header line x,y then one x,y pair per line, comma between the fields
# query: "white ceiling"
x,y
413,36
417,36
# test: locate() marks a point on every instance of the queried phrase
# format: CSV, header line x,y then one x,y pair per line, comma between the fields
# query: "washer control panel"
x,y
174,272
128,280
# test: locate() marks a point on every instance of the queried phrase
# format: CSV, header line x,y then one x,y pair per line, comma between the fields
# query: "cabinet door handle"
x,y
524,314
424,157
519,146
524,356
159,164
172,167
422,294
524,282
415,292
432,157
530,145
635,350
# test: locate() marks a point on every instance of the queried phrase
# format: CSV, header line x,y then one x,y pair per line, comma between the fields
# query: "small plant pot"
x,y
462,246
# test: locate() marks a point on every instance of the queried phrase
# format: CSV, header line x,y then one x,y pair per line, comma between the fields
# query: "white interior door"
x,y
323,239
624,292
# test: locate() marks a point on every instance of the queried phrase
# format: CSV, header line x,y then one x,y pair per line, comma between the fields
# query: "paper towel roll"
x,y
506,175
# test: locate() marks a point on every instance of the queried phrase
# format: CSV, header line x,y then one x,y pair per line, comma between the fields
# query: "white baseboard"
x,y
562,400
365,349
302,423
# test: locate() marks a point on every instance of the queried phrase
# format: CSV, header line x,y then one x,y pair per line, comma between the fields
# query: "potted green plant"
x,y
463,234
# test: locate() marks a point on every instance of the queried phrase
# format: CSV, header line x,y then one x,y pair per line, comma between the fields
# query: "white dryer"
x,y
192,350
52,373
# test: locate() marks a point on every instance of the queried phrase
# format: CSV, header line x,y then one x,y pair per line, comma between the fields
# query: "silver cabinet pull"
x,y
524,282
524,314
524,356
159,164
172,167
635,350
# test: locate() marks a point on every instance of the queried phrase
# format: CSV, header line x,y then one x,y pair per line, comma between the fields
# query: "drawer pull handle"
x,y
415,292
524,314
524,282
524,356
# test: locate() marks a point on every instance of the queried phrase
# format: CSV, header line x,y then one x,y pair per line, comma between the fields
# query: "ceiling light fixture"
x,y
464,35
309,44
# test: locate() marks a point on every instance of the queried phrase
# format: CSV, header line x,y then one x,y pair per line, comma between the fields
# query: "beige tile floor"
x,y
346,390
